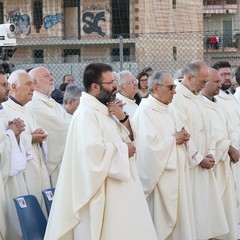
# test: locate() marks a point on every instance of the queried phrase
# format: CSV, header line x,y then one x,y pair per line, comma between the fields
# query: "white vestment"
x,y
190,112
237,94
98,194
231,108
51,116
223,133
164,171
13,163
2,193
36,175
130,104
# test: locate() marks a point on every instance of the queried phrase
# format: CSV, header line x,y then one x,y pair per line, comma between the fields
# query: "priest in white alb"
x,y
13,163
225,138
52,117
99,194
190,113
162,162
231,107
36,175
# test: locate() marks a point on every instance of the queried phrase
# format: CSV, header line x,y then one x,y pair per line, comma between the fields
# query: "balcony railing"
x,y
220,7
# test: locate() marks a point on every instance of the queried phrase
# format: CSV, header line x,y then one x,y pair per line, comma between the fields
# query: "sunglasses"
x,y
169,87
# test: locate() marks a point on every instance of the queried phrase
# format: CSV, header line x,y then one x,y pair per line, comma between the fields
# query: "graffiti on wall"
x,y
91,16
21,21
50,20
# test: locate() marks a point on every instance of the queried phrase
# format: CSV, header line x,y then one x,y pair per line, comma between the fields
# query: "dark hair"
x,y
2,72
139,76
237,74
93,74
63,86
221,64
146,69
63,80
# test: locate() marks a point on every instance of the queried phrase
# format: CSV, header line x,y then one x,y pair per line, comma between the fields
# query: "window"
x,y
37,14
174,4
38,56
115,55
71,19
120,18
72,56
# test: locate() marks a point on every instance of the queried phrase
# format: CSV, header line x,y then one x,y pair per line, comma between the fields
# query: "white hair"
x,y
15,76
122,75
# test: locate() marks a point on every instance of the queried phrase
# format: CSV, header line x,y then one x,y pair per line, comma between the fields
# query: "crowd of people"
x,y
150,157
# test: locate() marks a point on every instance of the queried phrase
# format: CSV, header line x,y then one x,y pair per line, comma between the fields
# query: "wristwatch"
x,y
125,119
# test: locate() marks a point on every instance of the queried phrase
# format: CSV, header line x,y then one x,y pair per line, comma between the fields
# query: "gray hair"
x,y
193,68
156,78
73,91
15,76
179,74
122,75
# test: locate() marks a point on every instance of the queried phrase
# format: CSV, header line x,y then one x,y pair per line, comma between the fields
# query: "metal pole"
x,y
121,52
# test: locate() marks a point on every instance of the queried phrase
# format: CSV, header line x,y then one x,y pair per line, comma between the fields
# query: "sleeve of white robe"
x,y
83,172
153,152
14,158
18,160
180,114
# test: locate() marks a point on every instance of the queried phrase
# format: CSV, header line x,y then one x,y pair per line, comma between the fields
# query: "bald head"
x,y
213,86
196,75
43,79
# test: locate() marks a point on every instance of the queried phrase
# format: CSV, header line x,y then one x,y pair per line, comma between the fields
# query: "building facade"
x,y
66,35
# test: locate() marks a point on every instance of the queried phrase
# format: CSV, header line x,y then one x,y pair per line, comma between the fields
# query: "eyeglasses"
x,y
5,85
169,87
143,80
109,83
133,82
229,74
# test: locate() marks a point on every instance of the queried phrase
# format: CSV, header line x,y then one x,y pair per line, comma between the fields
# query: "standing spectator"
x,y
128,87
162,162
52,117
142,87
148,70
68,78
190,113
99,194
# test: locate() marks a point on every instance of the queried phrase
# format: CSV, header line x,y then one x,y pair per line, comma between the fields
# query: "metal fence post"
x,y
121,52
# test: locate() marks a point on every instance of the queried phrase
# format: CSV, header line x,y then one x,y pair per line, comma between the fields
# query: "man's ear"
x,y
70,101
13,86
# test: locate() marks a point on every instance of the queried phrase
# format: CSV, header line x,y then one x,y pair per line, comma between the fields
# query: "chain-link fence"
x,y
162,51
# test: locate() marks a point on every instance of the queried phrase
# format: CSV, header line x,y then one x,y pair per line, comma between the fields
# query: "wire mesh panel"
x,y
67,35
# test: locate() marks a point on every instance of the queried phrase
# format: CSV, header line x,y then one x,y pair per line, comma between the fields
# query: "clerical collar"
x,y
16,101
213,99
126,96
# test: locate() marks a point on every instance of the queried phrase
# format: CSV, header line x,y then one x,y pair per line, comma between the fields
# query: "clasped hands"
x,y
182,136
116,108
17,126
38,136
